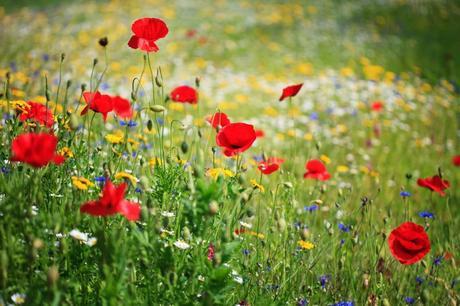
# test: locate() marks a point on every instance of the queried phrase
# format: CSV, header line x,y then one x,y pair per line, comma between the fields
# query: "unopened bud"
x,y
157,108
213,208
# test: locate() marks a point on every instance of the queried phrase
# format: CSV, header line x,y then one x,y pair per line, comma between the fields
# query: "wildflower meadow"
x,y
229,152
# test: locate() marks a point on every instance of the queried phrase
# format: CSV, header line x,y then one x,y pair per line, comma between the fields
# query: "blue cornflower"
x,y
5,170
104,86
409,300
437,260
323,280
342,241
160,121
258,158
344,303
314,116
405,194
344,228
129,123
138,190
426,214
419,280
302,302
100,179
246,252
311,208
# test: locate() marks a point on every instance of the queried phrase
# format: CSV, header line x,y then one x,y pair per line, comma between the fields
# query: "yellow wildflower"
x,y
125,175
65,151
306,245
257,185
325,159
81,183
216,172
114,138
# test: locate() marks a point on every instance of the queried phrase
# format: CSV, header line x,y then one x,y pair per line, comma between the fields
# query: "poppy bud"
x,y
186,233
213,208
149,125
184,147
199,134
157,108
83,87
103,42
95,62
38,244
68,84
158,80
197,82
305,233
408,176
53,275
281,224
214,150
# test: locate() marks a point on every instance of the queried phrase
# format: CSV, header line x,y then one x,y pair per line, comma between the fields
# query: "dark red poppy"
x,y
184,94
456,160
37,150
218,120
236,138
377,106
268,168
435,183
112,202
97,103
316,170
39,113
146,32
122,107
290,91
409,243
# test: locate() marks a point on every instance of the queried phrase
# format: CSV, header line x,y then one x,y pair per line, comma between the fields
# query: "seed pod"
x,y
157,108
53,275
184,147
149,125
213,208
103,42
197,82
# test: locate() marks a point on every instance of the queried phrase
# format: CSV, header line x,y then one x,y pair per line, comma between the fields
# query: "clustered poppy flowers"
x,y
38,113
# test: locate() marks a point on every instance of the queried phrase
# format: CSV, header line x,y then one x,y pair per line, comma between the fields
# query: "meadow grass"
x,y
214,230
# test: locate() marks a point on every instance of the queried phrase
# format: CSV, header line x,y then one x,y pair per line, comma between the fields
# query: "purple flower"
x,y
409,300
311,208
426,214
344,228
405,194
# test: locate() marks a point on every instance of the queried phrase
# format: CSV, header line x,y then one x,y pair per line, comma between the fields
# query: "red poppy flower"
x,y
260,133
97,103
377,106
290,91
316,170
435,183
146,32
275,160
268,168
218,120
122,107
39,113
456,160
184,94
409,243
112,202
236,138
37,150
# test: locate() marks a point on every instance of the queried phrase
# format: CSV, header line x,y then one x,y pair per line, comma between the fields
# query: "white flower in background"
x,y
83,237
18,298
246,225
182,244
167,214
236,277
